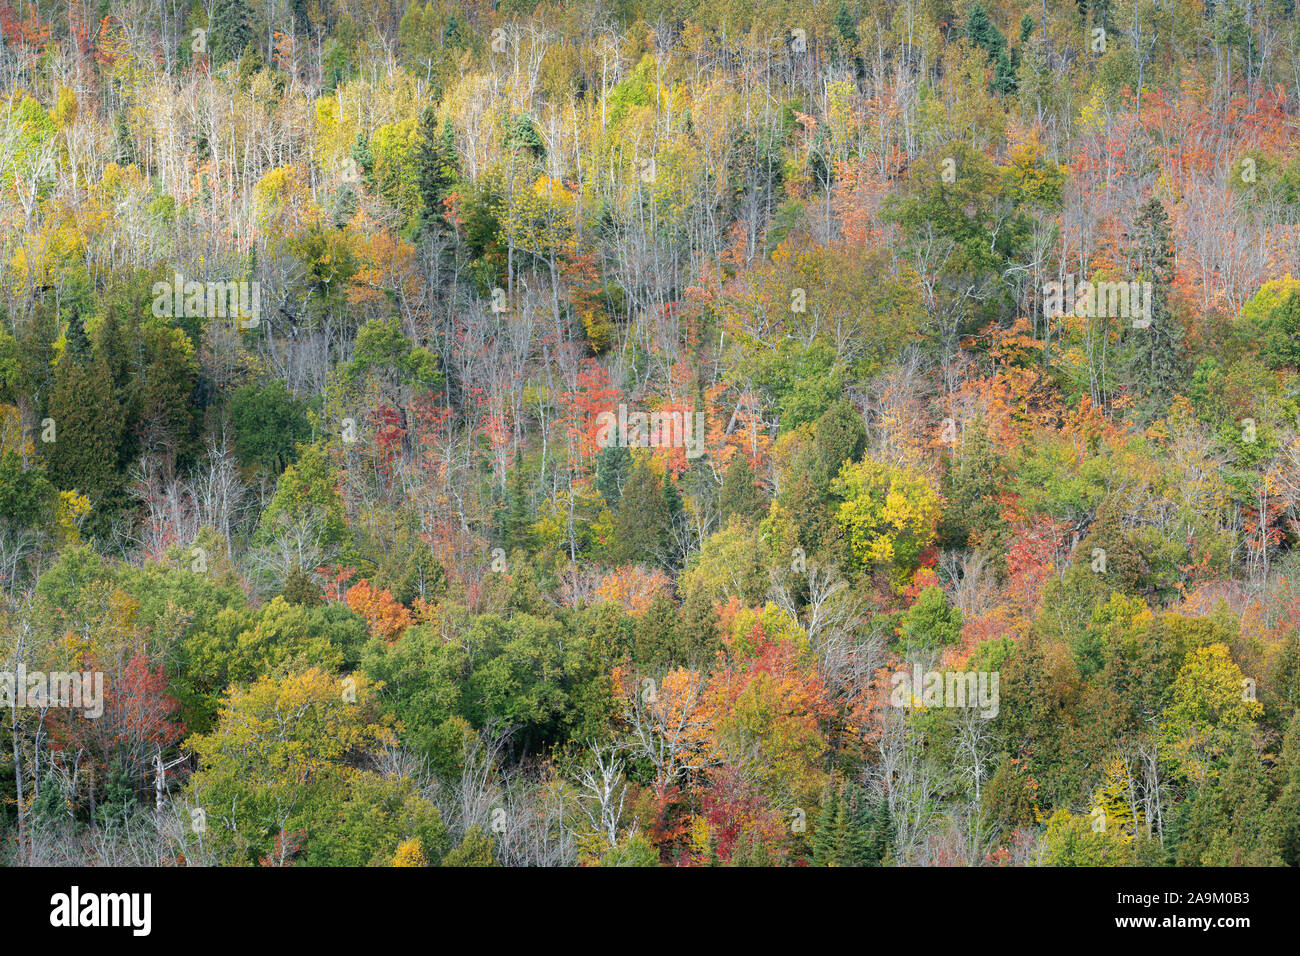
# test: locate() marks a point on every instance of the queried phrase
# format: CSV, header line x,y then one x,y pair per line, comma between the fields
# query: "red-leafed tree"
x,y
140,719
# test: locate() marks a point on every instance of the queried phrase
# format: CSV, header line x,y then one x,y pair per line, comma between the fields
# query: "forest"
x,y
649,433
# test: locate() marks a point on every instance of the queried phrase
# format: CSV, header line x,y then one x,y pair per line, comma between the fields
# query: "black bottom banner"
x,y
148,908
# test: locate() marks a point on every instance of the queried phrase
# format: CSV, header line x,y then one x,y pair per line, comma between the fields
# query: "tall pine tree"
x,y
88,429
516,517
640,532
1284,826
1156,368
740,494
437,167
230,29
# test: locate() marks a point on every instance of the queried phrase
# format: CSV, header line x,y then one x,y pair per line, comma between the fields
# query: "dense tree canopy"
x,y
654,432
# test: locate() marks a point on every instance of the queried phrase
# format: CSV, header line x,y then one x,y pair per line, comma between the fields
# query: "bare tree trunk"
x,y
18,778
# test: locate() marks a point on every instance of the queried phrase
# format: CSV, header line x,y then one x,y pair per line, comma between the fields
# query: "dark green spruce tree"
x,y
1156,368
124,151
641,520
78,344
740,494
1228,823
230,30
612,467
973,516
982,32
841,437
437,168
1004,71
1284,827
516,517
82,436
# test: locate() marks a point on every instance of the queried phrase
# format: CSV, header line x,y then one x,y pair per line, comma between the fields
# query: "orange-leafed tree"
x,y
634,587
386,617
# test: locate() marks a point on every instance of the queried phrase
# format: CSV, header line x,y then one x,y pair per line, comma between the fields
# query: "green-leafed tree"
x,y
476,849
269,424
